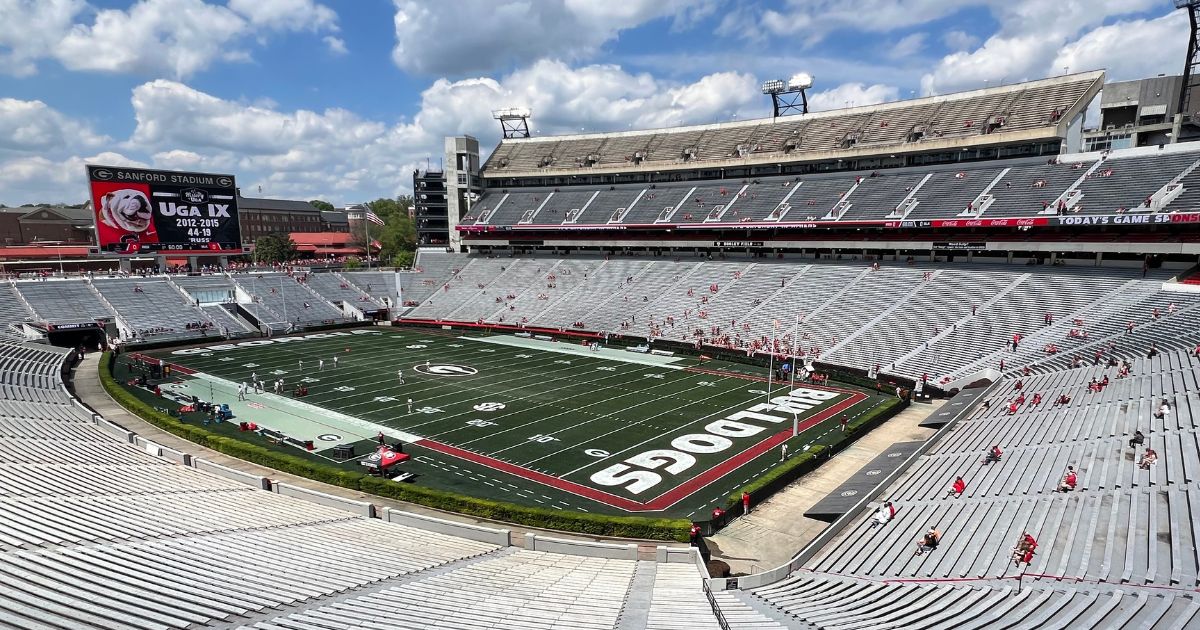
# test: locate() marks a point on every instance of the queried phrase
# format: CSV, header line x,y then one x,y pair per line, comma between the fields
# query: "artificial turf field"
x,y
530,422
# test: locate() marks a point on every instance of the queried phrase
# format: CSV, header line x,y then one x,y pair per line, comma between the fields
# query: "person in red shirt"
x,y
1069,480
1012,408
1023,552
1037,399
746,502
957,488
993,455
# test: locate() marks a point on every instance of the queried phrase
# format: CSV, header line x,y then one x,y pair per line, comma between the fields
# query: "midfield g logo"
x,y
445,369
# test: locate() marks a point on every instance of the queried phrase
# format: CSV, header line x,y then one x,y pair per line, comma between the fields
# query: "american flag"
x,y
374,218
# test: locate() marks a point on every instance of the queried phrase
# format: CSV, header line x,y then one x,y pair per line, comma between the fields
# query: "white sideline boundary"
x,y
574,349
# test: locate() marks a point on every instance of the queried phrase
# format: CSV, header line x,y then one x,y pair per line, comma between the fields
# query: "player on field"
x,y
320,365
335,359
400,375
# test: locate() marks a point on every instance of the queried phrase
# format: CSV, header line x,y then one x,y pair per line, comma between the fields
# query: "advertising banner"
x,y
140,211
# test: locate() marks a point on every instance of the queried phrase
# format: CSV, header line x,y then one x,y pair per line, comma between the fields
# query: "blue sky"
x,y
341,99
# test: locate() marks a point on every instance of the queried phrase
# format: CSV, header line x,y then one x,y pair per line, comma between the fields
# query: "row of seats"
x,y
1013,108
941,322
1119,183
1123,528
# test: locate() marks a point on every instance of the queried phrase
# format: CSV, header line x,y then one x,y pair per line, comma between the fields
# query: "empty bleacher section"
x,y
280,299
63,301
154,309
1088,184
947,322
1117,551
1033,108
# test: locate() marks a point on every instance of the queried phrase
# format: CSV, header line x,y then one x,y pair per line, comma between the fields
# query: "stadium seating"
x,y
280,299
1023,107
1122,529
1088,184
97,532
154,309
63,301
907,319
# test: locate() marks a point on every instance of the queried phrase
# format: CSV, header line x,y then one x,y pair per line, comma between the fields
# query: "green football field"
x,y
541,423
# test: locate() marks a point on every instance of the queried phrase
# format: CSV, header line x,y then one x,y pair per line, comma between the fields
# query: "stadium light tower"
x,y
514,121
1191,66
790,97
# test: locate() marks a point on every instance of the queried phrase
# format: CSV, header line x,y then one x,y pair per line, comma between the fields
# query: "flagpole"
x,y
367,234
795,414
771,363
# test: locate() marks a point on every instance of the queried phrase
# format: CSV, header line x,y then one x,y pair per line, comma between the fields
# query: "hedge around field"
x,y
594,524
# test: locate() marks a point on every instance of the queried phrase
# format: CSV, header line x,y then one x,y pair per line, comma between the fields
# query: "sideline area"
x,y
773,532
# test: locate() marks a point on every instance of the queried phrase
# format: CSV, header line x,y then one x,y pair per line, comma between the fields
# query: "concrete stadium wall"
x,y
361,508
254,481
581,547
500,537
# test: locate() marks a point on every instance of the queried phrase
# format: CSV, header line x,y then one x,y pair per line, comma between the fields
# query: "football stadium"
x,y
930,363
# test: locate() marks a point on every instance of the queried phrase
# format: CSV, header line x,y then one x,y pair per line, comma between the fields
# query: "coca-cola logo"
x,y
973,223
1026,221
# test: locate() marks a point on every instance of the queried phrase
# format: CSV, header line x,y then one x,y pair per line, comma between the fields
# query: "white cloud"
x,y
852,95
1159,44
30,30
959,40
908,45
483,35
32,126
37,179
153,37
336,45
287,15
1030,37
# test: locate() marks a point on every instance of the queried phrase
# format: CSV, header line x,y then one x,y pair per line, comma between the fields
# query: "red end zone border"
x,y
672,496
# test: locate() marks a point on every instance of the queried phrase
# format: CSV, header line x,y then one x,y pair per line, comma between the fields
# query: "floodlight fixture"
x,y
788,96
514,121
804,80
773,86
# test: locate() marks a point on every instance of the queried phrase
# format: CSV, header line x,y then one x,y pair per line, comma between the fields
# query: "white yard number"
x,y
429,410
487,350
416,346
563,361
480,423
249,365
653,375
343,388
489,406
386,399
606,368
524,356
454,345
543,438
706,384
309,379
225,359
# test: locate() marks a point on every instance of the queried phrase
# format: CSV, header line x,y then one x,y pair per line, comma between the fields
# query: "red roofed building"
x,y
322,244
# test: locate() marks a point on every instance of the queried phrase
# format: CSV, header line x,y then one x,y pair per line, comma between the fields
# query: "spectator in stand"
x,y
1069,480
883,515
1023,552
929,541
993,455
1153,351
1129,328
1137,440
957,488
1148,458
1164,410
1037,399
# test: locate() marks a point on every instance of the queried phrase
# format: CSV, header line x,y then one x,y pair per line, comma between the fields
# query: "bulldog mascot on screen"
x,y
127,210
124,216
